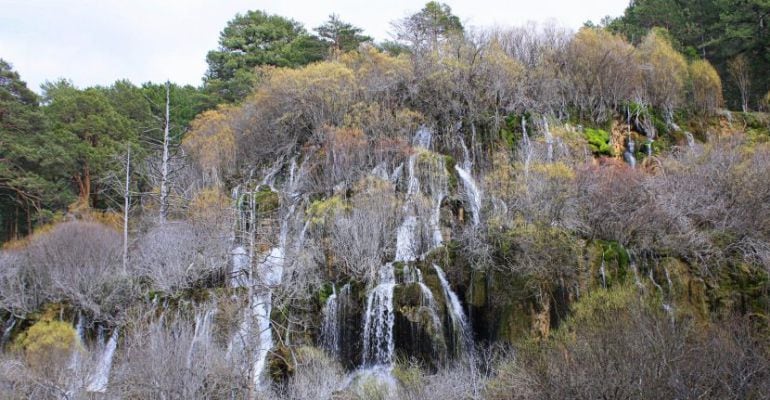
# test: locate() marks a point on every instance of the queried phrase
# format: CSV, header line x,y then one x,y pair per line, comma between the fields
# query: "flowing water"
x,y
461,330
472,194
379,318
330,328
101,376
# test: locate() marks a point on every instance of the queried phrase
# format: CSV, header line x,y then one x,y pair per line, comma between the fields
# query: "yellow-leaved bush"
x,y
706,88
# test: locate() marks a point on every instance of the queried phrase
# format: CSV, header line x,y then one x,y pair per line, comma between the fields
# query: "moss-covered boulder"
x,y
418,330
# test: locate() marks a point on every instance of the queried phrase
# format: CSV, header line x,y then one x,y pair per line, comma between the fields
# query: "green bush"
x,y
599,141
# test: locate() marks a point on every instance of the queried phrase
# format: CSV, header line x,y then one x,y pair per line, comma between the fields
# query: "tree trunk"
x,y
83,180
164,165
126,198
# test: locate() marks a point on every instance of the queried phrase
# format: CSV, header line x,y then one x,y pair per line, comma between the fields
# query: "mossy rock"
x,y
418,331
449,164
616,263
477,290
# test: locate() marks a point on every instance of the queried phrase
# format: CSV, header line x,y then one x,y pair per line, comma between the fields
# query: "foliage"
x,y
430,26
717,30
664,72
341,36
601,71
28,186
599,141
47,342
211,142
706,88
254,39
86,130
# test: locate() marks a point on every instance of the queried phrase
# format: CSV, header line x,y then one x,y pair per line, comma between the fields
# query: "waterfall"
x,y
381,171
461,334
254,335
413,275
202,334
690,139
467,162
634,268
548,140
397,173
330,329
240,271
423,137
7,329
379,318
524,136
406,239
652,279
101,376
472,193
603,272
435,217
628,155
79,342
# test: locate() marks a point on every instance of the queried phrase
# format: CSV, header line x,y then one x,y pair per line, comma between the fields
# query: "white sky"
x,y
95,42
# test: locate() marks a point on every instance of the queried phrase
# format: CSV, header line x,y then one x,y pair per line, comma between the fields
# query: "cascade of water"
x,y
406,236
548,140
79,343
269,179
101,377
467,162
330,329
461,334
255,333
690,139
628,155
472,193
437,197
524,135
261,312
634,268
396,175
413,186
379,319
652,279
239,274
381,171
202,334
603,272
406,239
423,137
7,329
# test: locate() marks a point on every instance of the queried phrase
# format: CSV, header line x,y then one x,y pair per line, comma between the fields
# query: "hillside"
x,y
507,213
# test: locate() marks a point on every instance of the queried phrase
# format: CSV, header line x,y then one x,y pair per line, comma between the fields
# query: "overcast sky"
x,y
95,42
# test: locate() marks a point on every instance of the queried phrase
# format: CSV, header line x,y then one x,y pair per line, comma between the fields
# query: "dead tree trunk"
x,y
164,162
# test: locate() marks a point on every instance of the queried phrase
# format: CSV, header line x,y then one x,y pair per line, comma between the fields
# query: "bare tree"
x,y
740,72
164,169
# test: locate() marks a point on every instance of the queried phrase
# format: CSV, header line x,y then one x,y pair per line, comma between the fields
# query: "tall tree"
x,y
341,36
740,72
253,39
164,169
86,131
716,30
431,25
27,188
